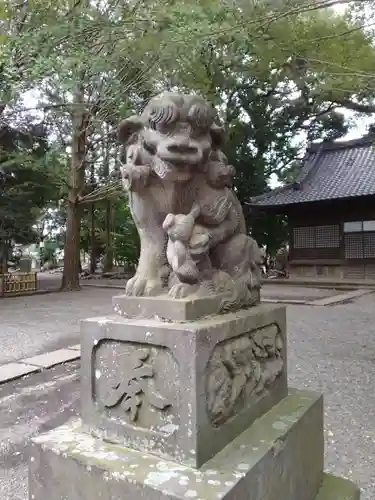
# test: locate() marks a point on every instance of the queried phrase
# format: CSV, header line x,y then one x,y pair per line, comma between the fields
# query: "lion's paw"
x,y
134,176
138,286
182,290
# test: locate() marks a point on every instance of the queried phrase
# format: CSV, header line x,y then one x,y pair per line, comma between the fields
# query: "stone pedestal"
x,y
181,402
181,390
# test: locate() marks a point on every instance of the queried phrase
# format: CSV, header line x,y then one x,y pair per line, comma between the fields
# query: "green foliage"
x,y
124,236
26,182
276,85
275,71
47,252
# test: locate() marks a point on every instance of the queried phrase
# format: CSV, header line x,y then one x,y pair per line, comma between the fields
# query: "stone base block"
x,y
163,308
336,488
280,457
181,390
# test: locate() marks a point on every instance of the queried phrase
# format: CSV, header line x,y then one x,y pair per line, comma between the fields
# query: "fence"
x,y
17,283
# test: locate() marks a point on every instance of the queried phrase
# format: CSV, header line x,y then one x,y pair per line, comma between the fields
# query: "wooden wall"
x,y
317,236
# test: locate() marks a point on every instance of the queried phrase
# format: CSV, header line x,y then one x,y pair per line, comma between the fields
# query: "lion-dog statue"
x,y
190,222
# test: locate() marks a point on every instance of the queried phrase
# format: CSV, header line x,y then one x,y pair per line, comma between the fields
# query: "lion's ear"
x,y
217,136
128,127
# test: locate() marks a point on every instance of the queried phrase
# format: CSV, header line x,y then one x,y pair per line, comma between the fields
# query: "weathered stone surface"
x,y
12,371
191,225
279,457
49,359
182,391
164,309
336,488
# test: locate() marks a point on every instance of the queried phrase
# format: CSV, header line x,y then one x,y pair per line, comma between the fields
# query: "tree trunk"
x,y
4,257
108,260
93,245
72,261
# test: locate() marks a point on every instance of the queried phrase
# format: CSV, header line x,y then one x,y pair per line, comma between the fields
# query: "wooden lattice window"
x,y
327,236
304,237
359,239
354,246
369,245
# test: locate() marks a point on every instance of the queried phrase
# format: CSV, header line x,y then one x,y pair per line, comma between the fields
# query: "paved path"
x,y
331,350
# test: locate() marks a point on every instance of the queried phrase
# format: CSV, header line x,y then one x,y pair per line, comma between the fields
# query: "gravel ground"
x,y
287,292
331,350
41,323
269,290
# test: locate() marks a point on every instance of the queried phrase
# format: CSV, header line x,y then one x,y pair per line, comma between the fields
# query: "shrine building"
x,y
330,209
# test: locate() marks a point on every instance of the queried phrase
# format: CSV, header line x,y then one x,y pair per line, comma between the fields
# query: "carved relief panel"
x,y
136,384
241,370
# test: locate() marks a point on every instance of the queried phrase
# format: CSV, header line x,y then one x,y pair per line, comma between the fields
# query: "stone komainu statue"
x,y
190,222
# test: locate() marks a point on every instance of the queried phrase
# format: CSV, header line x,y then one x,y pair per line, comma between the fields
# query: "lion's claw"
x,y
181,290
138,287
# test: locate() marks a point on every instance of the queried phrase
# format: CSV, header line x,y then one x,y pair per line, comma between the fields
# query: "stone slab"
x,y
11,371
76,347
284,301
336,299
280,457
336,488
49,359
165,308
182,391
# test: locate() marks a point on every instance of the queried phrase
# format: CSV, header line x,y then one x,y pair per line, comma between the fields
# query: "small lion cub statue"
x,y
188,246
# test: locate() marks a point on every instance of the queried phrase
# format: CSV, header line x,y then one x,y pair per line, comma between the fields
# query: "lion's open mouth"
x,y
180,161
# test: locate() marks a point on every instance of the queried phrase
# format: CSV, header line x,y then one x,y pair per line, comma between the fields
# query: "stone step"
x,y
280,457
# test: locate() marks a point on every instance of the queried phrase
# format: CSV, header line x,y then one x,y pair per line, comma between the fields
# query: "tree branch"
x,y
101,193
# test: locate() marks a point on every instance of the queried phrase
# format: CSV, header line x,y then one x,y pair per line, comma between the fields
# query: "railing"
x,y
17,283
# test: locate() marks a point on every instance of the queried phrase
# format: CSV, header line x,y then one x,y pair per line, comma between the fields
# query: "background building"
x,y
330,210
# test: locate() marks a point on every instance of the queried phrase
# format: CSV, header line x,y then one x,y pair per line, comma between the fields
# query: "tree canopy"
x,y
26,181
279,73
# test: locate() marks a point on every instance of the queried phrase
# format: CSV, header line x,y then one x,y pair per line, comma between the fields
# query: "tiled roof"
x,y
331,171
